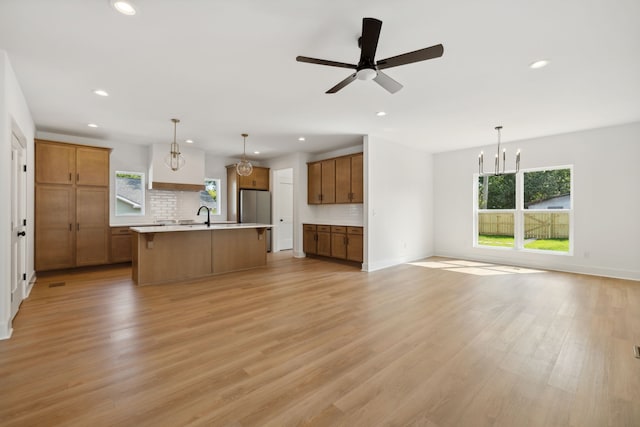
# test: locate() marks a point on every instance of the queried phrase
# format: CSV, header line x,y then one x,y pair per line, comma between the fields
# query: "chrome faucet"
x,y
208,214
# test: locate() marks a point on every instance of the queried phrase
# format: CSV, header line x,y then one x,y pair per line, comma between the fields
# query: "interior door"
x,y
18,218
284,208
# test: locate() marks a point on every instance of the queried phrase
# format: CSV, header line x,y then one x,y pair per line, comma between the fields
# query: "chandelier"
x,y
243,167
174,160
497,159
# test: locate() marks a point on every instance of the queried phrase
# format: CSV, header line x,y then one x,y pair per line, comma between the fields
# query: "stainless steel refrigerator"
x,y
255,207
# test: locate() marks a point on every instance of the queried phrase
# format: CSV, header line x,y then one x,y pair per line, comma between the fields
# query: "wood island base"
x,y
168,256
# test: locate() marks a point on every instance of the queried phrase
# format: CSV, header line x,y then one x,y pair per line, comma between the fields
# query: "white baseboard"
x,y
6,330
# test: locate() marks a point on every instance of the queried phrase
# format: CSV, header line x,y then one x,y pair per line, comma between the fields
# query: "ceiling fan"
x,y
368,68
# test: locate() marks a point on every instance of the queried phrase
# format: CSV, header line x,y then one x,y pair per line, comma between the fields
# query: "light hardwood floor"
x,y
311,342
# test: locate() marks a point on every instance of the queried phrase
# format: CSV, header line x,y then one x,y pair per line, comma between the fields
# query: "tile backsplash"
x,y
173,205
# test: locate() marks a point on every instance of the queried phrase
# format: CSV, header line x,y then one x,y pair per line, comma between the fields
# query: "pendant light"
x,y
174,160
243,167
497,159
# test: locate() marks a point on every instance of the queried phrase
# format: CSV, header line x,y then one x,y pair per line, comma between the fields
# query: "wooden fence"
x,y
537,225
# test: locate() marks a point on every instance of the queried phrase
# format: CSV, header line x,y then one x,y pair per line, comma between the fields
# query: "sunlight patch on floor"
x,y
475,268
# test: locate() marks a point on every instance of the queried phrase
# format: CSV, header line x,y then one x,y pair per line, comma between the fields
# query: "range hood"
x,y
188,178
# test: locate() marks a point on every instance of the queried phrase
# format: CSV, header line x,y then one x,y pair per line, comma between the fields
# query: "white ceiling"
x,y
227,67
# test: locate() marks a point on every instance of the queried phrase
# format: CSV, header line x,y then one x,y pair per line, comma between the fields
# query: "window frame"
x,y
519,213
142,189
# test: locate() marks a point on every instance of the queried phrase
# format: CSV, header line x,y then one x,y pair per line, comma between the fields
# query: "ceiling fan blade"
x,y
387,82
369,42
342,84
325,62
411,57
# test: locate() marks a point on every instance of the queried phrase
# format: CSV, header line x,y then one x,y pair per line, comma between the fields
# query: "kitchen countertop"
x,y
197,227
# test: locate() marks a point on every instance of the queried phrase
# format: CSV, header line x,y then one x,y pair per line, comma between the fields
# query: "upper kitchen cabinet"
x,y
349,179
258,180
190,177
338,180
321,182
59,163
71,205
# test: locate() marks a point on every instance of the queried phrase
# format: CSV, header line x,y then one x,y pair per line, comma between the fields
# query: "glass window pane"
x,y
546,231
550,189
496,229
210,197
497,192
129,193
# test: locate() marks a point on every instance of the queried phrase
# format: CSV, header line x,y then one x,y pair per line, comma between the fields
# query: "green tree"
x,y
497,192
543,185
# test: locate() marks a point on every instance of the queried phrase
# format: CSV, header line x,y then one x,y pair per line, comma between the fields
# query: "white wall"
x,y
14,116
398,204
606,197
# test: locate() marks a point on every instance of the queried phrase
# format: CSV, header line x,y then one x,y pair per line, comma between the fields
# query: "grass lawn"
x,y
560,245
502,241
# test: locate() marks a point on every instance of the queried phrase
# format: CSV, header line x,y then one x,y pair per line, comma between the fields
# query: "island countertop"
x,y
198,227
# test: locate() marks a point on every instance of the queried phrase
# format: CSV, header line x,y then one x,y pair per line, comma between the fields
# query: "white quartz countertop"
x,y
197,227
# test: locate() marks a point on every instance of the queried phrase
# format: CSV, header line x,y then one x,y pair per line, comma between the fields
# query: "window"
x,y
496,210
530,210
210,197
129,193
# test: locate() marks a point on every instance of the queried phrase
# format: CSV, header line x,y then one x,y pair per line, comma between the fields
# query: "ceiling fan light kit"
x,y
367,68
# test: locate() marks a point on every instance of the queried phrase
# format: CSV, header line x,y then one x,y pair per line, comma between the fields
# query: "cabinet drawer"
x,y
354,230
338,229
120,230
309,227
325,228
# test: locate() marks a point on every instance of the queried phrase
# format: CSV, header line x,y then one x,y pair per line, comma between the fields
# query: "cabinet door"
x,y
309,241
328,181
92,225
55,163
354,244
54,231
324,243
261,178
339,245
343,180
314,183
246,181
92,166
120,244
357,178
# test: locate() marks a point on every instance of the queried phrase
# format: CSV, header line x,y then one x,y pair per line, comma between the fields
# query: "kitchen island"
x,y
167,254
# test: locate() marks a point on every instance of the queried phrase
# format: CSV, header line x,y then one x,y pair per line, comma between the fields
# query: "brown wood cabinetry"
x,y
71,205
338,180
309,245
335,241
321,182
120,244
258,180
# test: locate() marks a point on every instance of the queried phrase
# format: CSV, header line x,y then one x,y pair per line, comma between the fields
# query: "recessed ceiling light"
x,y
539,64
101,92
301,138
256,152
124,7
189,141
381,113
92,125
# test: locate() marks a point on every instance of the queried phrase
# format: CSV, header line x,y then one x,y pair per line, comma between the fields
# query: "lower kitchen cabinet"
x,y
335,241
120,244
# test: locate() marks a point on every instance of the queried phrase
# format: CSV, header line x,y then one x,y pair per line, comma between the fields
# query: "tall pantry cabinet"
x,y
71,205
